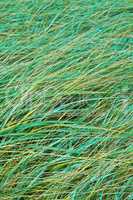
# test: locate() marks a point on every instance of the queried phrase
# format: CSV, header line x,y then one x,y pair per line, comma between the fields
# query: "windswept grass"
x,y
66,106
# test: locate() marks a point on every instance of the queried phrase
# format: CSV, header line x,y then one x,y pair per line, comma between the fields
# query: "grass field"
x,y
66,100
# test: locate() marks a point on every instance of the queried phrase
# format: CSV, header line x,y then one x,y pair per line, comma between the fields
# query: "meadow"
x,y
66,100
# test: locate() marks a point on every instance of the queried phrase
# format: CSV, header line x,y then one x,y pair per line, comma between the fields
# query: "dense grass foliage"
x,y
66,112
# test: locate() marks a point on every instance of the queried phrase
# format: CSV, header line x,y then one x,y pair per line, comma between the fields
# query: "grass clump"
x,y
66,74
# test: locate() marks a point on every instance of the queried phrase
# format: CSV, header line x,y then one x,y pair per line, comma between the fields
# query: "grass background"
x,y
66,79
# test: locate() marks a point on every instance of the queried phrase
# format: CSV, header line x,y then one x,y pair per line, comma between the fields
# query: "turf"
x,y
66,106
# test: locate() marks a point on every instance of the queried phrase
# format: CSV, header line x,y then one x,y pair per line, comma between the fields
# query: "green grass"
x,y
66,106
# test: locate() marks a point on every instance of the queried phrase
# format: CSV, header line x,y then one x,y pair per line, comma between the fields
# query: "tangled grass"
x,y
66,78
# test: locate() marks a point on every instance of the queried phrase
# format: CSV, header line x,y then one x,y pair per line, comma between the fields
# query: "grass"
x,y
66,106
